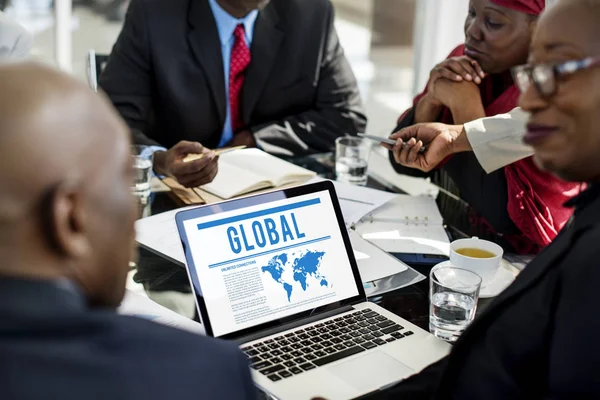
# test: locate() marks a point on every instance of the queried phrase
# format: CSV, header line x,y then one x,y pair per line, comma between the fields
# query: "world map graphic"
x,y
305,267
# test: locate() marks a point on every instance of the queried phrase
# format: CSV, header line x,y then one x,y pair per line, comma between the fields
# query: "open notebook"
x,y
248,170
407,224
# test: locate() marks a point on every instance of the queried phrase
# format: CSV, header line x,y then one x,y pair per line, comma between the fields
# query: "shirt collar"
x,y
226,23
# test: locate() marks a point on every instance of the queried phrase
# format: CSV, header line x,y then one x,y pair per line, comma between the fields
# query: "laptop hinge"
x,y
292,325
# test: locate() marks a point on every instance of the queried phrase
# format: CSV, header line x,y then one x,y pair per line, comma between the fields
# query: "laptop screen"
x,y
266,258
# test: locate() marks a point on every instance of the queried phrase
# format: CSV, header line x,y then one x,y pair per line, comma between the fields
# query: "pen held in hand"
x,y
194,157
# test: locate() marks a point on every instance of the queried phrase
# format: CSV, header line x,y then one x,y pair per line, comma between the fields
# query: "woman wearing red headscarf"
x,y
520,204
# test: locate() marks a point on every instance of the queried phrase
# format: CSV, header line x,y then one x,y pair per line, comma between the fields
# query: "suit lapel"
x,y
206,46
265,46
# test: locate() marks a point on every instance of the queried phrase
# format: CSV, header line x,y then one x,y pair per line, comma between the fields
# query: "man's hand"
x,y
242,138
189,174
441,140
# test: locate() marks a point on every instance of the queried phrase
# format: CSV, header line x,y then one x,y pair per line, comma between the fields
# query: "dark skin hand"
x,y
188,174
456,69
441,140
462,98
461,69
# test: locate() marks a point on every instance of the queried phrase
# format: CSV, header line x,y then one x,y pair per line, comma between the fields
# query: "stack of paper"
x,y
407,224
357,201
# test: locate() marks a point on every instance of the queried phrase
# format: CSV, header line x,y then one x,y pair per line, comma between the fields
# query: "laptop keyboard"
x,y
323,343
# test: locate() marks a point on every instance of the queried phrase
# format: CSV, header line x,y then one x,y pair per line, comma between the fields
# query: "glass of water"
x,y
453,296
142,170
351,160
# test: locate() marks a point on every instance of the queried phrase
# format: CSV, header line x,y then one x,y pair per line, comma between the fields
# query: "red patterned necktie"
x,y
240,58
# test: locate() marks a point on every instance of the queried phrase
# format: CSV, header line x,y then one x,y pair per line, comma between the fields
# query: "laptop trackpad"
x,y
371,371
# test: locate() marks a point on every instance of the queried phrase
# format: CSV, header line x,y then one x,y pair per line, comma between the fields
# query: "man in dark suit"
x,y
267,73
66,237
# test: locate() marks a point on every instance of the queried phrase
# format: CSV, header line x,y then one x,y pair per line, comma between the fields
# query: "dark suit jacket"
x,y
53,347
165,76
539,338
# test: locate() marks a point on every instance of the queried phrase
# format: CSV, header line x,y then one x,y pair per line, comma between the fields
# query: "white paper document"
x,y
136,305
407,224
357,201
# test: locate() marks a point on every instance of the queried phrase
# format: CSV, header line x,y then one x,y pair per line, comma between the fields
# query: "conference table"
x,y
159,275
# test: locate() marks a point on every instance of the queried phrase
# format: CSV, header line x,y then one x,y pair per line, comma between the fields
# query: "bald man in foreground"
x,y
66,237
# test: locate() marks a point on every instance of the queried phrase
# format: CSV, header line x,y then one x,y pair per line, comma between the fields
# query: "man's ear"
x,y
64,221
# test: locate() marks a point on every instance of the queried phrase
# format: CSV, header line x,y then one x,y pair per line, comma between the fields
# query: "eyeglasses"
x,y
544,76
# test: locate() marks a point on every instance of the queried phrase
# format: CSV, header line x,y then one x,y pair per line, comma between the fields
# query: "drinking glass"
x,y
351,160
453,296
142,170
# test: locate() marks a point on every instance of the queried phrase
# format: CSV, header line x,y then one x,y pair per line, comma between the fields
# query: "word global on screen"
x,y
263,232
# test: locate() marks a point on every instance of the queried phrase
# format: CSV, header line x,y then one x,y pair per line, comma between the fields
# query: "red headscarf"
x,y
535,197
533,7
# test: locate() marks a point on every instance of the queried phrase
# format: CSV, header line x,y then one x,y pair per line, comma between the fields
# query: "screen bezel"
x,y
230,205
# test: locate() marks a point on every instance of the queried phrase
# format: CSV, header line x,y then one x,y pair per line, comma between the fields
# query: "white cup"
x,y
486,268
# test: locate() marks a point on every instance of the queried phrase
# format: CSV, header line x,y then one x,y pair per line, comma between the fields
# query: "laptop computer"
x,y
276,274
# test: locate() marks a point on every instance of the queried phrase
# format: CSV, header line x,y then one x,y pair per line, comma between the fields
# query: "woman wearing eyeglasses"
x,y
518,206
539,338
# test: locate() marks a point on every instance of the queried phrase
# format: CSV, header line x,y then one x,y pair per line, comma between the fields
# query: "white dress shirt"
x,y
498,141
